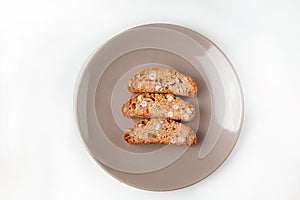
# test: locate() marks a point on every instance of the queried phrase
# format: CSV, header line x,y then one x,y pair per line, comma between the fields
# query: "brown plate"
x,y
102,89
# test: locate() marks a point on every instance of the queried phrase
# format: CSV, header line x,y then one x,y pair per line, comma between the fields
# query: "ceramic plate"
x,y
102,89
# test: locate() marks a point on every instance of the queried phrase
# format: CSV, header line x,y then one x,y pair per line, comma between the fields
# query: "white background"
x,y
43,45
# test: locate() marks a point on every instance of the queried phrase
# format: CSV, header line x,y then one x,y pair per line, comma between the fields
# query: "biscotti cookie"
x,y
153,105
158,131
163,80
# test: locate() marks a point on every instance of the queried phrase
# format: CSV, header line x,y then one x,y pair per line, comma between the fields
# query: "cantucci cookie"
x,y
163,80
158,131
153,105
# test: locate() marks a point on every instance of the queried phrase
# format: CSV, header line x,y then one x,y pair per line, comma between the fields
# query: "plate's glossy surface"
x,y
102,88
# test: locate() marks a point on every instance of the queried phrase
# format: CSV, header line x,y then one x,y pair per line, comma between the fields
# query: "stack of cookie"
x,y
156,100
